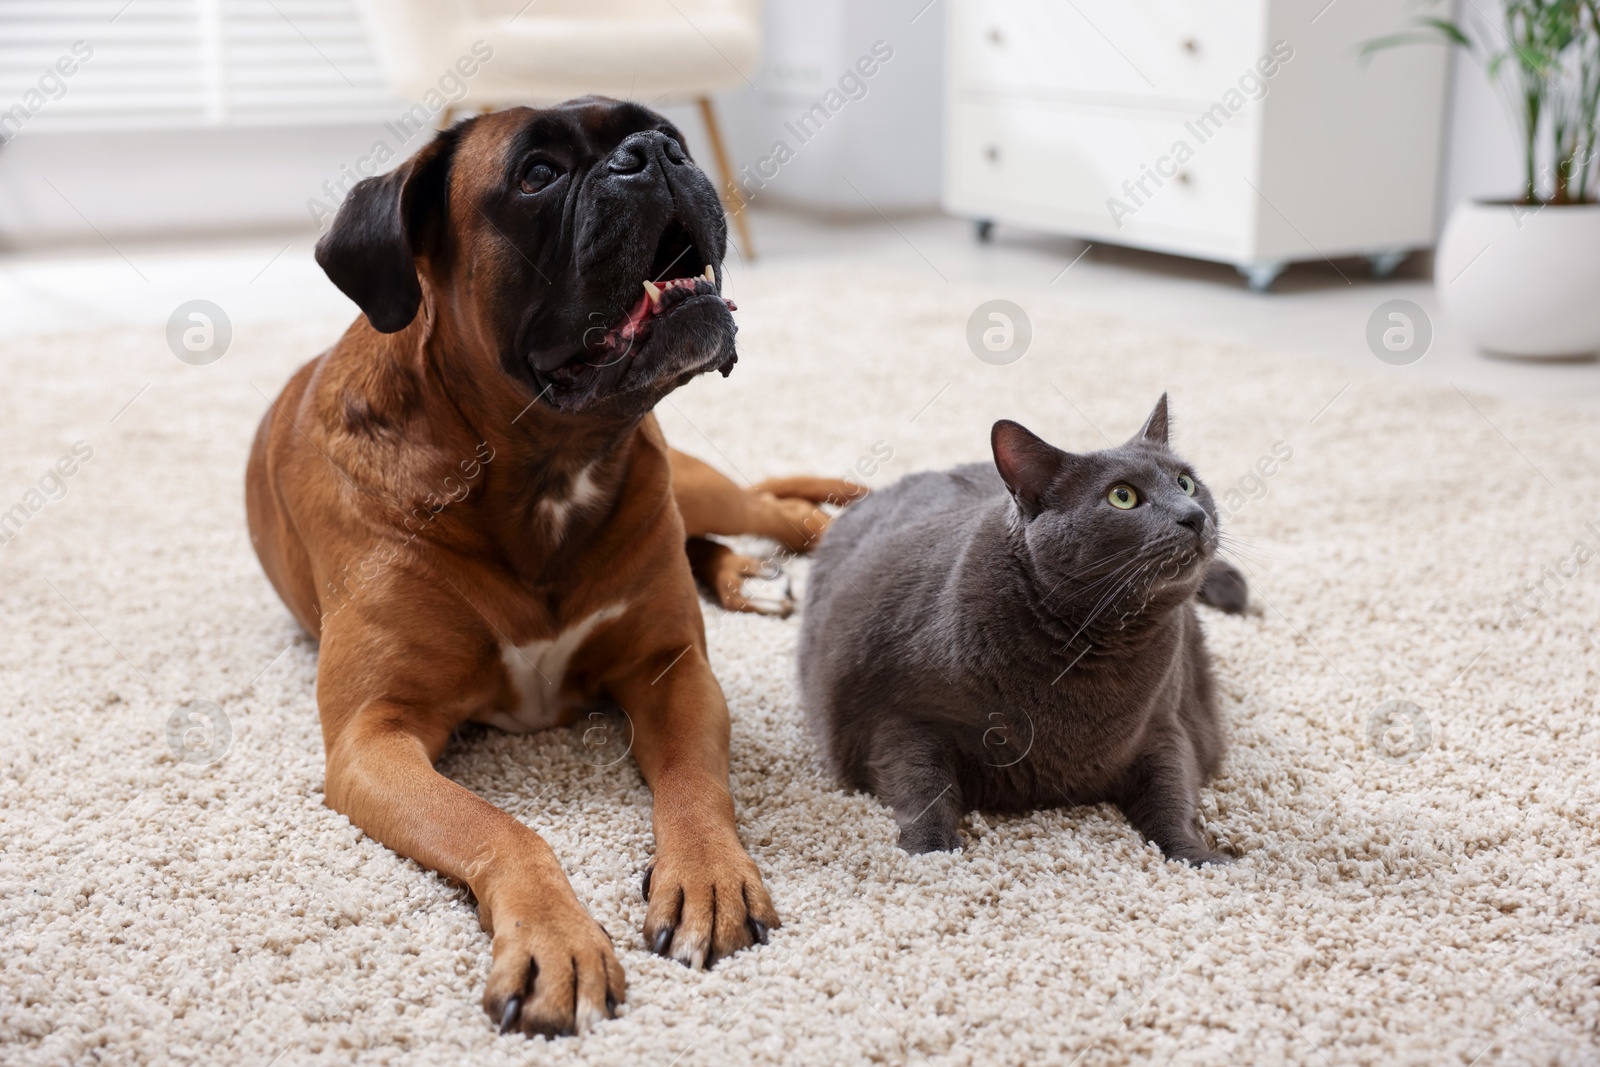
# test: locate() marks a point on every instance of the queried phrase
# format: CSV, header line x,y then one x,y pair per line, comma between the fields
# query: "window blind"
x,y
151,64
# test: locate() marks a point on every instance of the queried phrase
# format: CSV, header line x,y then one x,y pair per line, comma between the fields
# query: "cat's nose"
x,y
1195,520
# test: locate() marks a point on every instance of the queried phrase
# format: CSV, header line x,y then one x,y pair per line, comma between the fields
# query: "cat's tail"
x,y
1225,588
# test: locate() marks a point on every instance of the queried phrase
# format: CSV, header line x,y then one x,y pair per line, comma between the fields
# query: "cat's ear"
x,y
1026,463
1155,427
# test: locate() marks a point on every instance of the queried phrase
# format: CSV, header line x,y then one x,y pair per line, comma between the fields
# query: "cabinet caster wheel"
x,y
1260,276
984,228
1382,264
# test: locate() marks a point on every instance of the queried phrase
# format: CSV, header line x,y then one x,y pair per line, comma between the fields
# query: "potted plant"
x,y
1521,275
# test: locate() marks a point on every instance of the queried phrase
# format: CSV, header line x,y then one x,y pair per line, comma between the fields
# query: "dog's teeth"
x,y
653,291
711,275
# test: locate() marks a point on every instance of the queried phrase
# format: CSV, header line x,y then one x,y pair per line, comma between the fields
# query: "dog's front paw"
x,y
554,971
761,588
705,905
738,582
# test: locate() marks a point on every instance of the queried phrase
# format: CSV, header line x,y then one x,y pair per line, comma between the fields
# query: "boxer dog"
x,y
468,502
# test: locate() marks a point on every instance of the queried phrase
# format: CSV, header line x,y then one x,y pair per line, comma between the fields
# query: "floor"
x,y
1410,785
1316,308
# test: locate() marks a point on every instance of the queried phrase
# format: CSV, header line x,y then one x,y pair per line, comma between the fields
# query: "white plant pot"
x,y
1522,281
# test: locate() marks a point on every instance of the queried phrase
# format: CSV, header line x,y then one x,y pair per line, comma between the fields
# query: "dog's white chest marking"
x,y
583,491
536,670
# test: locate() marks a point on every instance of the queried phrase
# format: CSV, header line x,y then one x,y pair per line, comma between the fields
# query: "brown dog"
x,y
467,500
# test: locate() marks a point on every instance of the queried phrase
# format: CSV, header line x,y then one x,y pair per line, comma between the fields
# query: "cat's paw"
x,y
921,837
1202,857
1225,588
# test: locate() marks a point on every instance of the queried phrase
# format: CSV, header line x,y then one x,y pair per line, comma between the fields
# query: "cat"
x,y
1023,635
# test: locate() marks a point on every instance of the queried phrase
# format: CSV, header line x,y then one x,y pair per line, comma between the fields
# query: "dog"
x,y
469,503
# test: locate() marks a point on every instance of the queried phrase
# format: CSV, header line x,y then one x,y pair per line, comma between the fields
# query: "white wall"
x,y
62,187
1482,153
881,152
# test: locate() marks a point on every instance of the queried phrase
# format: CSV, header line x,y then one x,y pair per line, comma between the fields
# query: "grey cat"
x,y
1023,635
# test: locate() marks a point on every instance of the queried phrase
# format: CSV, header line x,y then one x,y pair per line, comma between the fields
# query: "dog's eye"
x,y
1186,483
1122,496
537,176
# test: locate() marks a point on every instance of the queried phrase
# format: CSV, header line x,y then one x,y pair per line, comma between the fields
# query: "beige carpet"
x,y
1426,892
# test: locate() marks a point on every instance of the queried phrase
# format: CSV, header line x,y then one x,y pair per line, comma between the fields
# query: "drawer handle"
x,y
992,153
1184,178
996,38
1191,46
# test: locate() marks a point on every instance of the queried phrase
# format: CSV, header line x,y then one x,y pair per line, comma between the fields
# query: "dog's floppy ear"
x,y
370,251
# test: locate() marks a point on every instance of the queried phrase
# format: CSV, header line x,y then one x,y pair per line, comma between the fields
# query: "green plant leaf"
x,y
1447,29
1545,58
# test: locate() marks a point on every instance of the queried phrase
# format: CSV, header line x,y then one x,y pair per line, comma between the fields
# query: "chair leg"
x,y
732,200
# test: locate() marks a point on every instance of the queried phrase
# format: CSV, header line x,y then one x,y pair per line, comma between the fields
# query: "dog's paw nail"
x,y
663,941
508,1018
758,931
644,883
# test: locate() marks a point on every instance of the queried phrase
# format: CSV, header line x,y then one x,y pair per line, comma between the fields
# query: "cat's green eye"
x,y
1122,496
1186,483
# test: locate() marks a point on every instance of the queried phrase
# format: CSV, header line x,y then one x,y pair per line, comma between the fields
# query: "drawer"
x,y
1057,167
1186,50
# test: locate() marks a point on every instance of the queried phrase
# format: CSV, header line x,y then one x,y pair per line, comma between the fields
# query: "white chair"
x,y
546,51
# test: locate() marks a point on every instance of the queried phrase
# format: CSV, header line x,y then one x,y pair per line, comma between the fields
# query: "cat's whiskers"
x,y
1144,552
1233,542
1089,646
1151,560
1243,552
1137,566
1140,568
1115,574
1137,551
1097,563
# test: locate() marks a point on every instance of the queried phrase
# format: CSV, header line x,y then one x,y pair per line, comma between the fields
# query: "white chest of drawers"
x,y
1244,131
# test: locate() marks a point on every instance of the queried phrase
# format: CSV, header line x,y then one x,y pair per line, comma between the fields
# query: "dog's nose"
x,y
640,150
